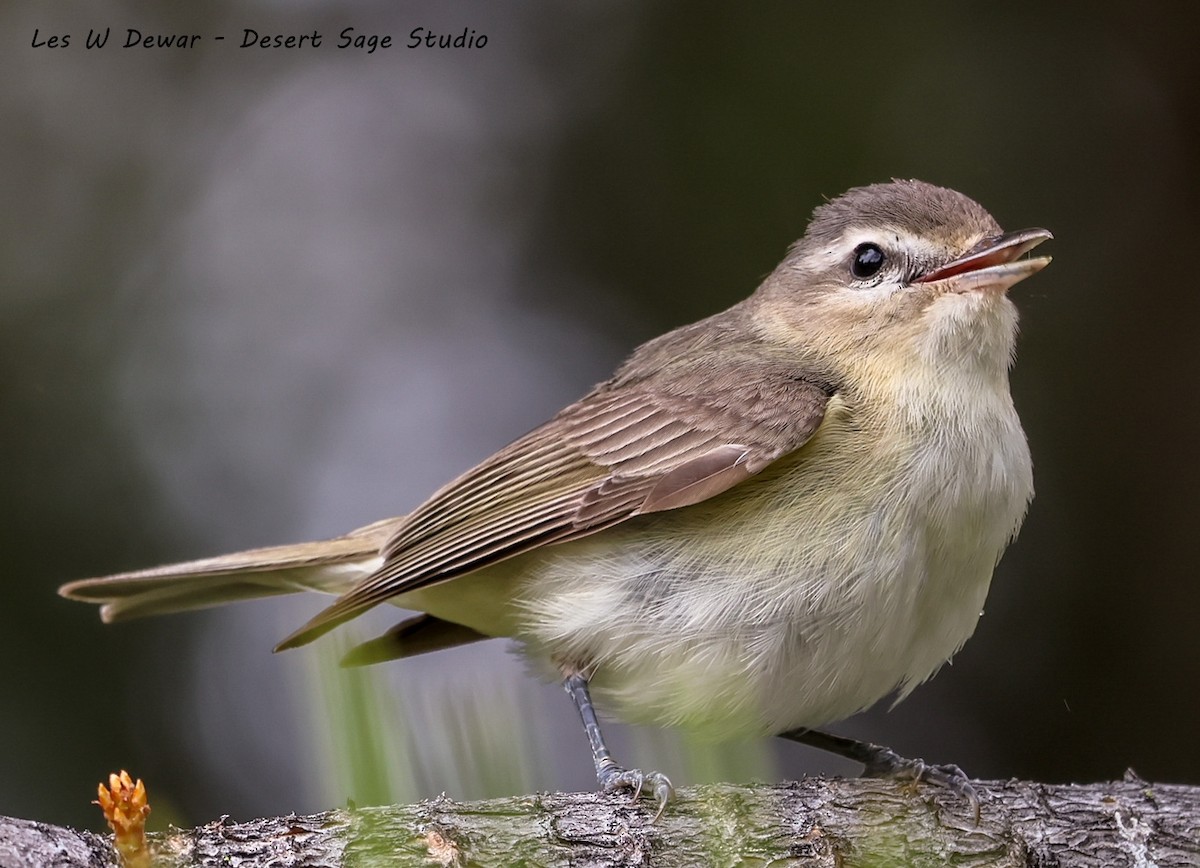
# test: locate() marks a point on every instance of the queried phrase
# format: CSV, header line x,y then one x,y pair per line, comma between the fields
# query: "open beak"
x,y
993,264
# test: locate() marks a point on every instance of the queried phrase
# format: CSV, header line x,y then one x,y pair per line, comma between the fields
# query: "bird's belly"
x,y
753,614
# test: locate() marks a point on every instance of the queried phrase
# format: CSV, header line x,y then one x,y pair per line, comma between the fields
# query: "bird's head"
x,y
894,275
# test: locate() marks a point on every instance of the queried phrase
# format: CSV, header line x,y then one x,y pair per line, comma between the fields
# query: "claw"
x,y
663,793
615,778
887,763
882,762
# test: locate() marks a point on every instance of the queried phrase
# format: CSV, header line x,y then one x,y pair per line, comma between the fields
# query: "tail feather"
x,y
419,634
331,566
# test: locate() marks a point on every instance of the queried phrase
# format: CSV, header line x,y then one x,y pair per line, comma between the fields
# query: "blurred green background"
x,y
253,296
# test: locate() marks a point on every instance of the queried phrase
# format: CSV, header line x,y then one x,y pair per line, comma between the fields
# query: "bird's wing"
x,y
613,455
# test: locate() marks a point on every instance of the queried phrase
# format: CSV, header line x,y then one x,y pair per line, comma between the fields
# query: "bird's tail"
x,y
331,566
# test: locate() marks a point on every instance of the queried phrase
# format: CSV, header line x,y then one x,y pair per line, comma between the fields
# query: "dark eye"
x,y
868,259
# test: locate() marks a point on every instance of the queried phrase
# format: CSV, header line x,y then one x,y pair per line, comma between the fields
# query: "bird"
x,y
763,523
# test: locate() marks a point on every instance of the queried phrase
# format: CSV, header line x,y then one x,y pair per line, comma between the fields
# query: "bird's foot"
x,y
614,779
883,762
609,775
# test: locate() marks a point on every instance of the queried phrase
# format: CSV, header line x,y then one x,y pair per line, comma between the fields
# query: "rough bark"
x,y
814,822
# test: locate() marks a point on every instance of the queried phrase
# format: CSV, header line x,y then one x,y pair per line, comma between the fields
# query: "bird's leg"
x,y
609,775
883,762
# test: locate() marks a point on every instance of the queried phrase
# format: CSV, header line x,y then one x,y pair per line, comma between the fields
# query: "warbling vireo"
x,y
764,522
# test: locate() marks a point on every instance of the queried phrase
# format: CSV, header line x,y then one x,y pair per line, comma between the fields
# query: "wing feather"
x,y
619,452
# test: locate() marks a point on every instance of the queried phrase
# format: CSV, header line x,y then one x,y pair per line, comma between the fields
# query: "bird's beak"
x,y
993,264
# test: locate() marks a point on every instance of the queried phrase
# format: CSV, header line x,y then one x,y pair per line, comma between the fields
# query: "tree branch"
x,y
813,822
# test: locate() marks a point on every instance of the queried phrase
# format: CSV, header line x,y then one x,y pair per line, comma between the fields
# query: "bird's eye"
x,y
868,259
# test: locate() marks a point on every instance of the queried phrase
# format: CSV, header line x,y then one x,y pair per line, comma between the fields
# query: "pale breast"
x,y
857,566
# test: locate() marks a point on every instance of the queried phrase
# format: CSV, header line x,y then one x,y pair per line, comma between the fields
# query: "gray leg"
x,y
883,762
609,775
